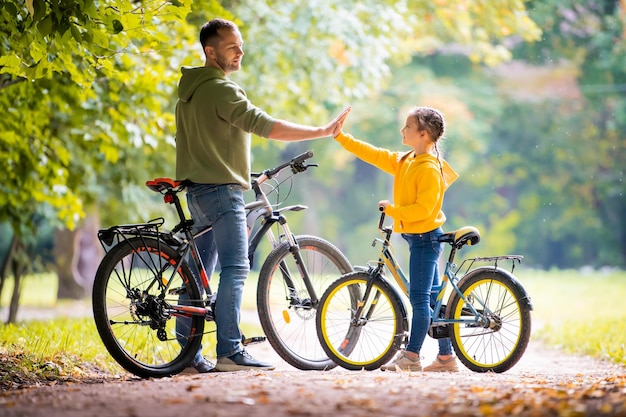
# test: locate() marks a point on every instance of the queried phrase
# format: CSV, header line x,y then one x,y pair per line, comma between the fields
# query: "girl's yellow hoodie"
x,y
418,184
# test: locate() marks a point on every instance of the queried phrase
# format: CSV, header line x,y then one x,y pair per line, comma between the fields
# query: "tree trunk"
x,y
7,265
17,266
64,254
78,254
6,262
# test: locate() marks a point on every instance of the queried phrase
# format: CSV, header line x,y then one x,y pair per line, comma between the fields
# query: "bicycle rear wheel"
x,y
284,302
500,340
134,286
365,342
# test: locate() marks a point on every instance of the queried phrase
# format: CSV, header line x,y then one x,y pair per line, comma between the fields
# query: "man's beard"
x,y
227,66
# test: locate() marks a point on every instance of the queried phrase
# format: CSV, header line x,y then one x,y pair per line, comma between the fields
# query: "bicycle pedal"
x,y
252,340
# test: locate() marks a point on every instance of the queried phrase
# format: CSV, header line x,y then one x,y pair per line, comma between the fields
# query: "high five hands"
x,y
337,124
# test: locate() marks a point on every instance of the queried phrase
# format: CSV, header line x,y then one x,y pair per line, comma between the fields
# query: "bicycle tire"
x,y
288,316
128,298
499,345
374,341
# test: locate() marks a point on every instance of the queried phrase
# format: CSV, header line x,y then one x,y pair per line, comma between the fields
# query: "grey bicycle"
x,y
145,282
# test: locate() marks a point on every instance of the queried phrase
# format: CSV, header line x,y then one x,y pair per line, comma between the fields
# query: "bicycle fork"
x,y
365,308
359,318
294,249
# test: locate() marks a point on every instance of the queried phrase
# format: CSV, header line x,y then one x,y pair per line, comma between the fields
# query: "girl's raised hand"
x,y
337,123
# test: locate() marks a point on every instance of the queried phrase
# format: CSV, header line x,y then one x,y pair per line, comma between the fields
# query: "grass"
x,y
38,290
69,349
578,312
61,349
64,349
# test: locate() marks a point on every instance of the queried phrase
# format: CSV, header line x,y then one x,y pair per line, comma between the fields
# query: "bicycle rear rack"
x,y
122,233
492,260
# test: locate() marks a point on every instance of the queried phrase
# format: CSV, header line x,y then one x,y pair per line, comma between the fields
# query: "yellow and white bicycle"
x,y
362,317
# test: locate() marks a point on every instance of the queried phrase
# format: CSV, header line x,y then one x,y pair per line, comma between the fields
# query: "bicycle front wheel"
x,y
286,305
135,285
499,339
369,340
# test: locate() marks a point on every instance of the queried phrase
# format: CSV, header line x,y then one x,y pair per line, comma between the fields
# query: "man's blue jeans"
x,y
425,250
223,208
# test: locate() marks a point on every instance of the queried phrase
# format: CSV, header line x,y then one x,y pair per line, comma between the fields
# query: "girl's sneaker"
x,y
448,365
403,363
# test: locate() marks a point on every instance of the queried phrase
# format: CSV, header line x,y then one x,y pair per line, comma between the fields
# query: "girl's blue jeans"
x,y
223,208
425,250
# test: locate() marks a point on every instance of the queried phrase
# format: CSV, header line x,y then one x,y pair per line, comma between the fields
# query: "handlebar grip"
x,y
302,157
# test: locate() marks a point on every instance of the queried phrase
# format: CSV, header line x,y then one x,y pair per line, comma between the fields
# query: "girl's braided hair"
x,y
432,121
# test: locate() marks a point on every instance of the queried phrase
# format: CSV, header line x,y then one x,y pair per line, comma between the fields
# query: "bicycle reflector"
x,y
168,198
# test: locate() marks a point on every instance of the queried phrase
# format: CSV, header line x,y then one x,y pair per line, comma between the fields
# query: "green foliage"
x,y
313,56
82,83
568,174
540,148
90,84
479,28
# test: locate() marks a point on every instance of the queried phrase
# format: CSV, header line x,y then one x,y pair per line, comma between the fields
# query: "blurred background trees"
x,y
533,93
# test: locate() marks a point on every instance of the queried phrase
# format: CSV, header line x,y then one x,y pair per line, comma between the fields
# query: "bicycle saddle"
x,y
467,235
165,184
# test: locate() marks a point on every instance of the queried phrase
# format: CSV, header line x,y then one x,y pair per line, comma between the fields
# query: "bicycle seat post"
x,y
171,197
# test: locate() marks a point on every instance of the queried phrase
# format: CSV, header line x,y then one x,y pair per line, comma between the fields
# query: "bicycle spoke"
x,y
500,335
136,317
357,332
287,308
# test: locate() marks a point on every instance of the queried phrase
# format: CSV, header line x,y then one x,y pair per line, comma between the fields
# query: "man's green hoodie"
x,y
214,119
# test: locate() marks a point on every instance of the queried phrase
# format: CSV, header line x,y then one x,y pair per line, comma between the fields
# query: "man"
x,y
214,120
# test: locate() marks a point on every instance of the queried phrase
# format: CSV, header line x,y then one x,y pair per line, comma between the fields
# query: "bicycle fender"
x,y
382,282
516,283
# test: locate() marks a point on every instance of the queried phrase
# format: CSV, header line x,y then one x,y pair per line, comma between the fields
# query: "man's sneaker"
x,y
448,365
403,363
241,361
201,367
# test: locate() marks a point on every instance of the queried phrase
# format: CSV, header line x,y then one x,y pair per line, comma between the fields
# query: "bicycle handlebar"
x,y
296,163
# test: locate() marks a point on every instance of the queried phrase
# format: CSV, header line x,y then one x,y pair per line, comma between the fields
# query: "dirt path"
x,y
543,383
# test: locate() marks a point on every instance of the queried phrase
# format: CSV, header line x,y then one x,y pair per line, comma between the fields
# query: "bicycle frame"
x,y
363,318
182,237
387,259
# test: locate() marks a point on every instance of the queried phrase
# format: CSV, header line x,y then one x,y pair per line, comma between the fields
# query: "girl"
x,y
421,177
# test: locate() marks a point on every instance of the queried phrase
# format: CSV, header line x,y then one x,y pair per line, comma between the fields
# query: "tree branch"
x,y
7,81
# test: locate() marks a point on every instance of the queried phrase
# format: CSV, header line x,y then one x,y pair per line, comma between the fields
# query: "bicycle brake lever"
x,y
301,167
